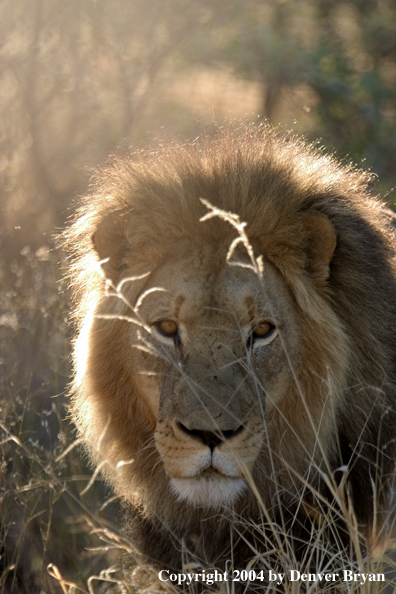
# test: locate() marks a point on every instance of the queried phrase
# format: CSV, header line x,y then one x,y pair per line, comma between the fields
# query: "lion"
x,y
235,342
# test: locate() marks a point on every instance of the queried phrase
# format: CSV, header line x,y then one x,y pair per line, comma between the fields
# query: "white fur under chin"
x,y
210,492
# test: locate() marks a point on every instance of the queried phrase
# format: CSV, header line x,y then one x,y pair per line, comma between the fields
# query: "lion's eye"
x,y
168,328
262,330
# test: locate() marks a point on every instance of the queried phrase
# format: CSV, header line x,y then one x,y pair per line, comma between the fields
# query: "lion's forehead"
x,y
229,293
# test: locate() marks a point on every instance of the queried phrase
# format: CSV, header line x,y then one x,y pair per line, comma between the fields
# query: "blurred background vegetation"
x,y
82,79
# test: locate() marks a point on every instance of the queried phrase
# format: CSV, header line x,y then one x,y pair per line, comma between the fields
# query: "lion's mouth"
x,y
211,472
208,489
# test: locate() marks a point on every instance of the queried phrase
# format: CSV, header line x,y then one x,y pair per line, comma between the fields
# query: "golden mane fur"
x,y
328,247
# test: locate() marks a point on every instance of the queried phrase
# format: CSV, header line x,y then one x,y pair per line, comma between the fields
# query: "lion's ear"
x,y
322,241
110,242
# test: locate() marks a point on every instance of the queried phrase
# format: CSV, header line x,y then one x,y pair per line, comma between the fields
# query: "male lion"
x,y
235,357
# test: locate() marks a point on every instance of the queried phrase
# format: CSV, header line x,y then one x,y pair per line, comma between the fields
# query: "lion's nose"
x,y
209,438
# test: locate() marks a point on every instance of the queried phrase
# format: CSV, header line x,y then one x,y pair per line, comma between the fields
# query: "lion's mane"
x,y
138,208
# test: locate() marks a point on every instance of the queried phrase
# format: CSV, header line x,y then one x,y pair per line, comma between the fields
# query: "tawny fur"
x,y
328,252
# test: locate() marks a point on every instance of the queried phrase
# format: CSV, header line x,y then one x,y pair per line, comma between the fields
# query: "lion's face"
x,y
226,377
219,348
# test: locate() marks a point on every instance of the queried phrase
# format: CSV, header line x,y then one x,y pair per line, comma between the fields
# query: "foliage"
x,y
343,54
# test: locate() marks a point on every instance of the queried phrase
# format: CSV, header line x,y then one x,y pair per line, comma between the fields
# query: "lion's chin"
x,y
212,491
